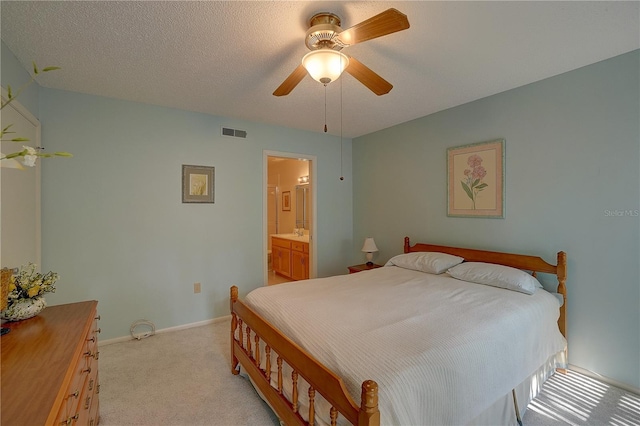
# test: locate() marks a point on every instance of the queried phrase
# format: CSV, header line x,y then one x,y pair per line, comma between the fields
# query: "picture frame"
x,y
475,180
198,184
286,201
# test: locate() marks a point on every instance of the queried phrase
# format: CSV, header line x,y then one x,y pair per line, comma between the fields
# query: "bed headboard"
x,y
519,261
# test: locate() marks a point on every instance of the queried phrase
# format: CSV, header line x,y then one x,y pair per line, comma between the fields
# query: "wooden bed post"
x,y
561,272
562,289
407,246
369,414
234,324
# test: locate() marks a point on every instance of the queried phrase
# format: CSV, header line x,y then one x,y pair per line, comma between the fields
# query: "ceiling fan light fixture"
x,y
325,65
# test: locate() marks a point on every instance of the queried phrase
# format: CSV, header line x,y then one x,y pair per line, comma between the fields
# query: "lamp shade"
x,y
325,65
369,245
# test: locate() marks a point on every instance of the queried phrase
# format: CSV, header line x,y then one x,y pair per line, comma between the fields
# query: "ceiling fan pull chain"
x,y
341,174
325,108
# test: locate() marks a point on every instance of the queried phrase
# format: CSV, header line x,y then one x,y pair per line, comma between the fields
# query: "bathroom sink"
x,y
293,237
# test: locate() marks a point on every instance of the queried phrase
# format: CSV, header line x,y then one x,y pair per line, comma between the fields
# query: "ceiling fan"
x,y
326,39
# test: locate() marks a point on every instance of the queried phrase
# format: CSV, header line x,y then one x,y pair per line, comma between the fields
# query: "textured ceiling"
x,y
226,58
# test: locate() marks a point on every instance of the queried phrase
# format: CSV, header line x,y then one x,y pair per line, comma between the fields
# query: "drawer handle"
x,y
93,355
98,318
88,370
87,403
69,420
93,339
98,389
99,330
75,394
90,384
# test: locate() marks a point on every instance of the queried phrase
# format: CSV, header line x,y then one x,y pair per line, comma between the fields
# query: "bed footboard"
x,y
251,334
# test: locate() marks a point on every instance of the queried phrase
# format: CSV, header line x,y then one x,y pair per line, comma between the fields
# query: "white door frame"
x,y
312,232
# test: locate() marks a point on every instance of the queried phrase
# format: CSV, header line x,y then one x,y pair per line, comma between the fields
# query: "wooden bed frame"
x,y
249,330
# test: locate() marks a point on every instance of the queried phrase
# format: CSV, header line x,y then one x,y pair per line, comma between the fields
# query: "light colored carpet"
x,y
183,378
180,378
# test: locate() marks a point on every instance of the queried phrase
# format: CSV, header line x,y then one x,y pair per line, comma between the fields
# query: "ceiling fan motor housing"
x,y
323,31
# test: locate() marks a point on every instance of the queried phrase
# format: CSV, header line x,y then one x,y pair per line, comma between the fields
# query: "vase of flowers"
x,y
26,291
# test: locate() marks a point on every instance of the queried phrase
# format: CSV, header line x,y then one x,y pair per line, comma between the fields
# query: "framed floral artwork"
x,y
286,201
197,184
475,180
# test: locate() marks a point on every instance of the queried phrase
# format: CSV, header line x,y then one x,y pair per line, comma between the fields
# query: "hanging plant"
x,y
29,154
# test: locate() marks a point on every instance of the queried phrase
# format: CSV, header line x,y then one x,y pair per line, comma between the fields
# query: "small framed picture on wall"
x,y
198,184
286,201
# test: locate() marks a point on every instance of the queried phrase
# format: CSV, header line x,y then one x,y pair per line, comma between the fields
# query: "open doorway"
x,y
289,218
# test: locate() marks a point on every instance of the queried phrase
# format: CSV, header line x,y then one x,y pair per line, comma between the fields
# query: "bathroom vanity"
x,y
290,255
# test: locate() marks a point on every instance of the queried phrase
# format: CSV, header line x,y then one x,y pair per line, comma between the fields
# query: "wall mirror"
x,y
302,206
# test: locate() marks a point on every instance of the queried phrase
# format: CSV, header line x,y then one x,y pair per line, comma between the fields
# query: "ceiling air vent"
x,y
234,133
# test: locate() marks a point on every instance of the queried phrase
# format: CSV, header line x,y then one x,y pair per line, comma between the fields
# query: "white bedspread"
x,y
440,349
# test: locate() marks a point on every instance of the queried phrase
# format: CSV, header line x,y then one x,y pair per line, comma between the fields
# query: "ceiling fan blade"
x,y
364,75
291,82
387,22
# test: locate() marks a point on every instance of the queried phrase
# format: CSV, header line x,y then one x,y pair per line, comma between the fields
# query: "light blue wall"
x,y
115,228
572,153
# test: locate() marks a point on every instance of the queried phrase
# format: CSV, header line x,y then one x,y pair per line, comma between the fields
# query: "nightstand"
x,y
362,267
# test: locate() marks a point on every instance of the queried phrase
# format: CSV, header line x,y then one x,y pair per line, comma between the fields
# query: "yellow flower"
x,y
33,291
12,285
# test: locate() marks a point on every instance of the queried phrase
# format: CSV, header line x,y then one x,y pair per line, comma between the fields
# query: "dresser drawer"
x,y
78,402
94,413
69,413
280,242
91,341
297,246
89,400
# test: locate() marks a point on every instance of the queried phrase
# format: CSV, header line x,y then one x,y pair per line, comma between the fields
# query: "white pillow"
x,y
425,261
495,275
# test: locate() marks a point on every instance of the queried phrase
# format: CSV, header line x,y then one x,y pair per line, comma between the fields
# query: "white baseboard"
x,y
167,330
604,379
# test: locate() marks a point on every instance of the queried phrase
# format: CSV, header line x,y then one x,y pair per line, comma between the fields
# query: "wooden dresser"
x,y
50,368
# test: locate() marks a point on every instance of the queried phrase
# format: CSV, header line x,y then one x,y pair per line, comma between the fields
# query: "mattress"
x,y
442,350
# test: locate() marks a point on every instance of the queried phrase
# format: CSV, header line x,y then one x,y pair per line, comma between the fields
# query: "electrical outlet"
x,y
196,287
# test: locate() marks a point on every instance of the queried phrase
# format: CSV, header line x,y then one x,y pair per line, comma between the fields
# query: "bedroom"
x,y
572,153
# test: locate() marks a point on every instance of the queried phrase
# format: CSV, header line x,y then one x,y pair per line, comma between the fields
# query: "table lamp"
x,y
369,247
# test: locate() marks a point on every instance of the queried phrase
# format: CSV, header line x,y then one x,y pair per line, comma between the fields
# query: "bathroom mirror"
x,y
302,206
